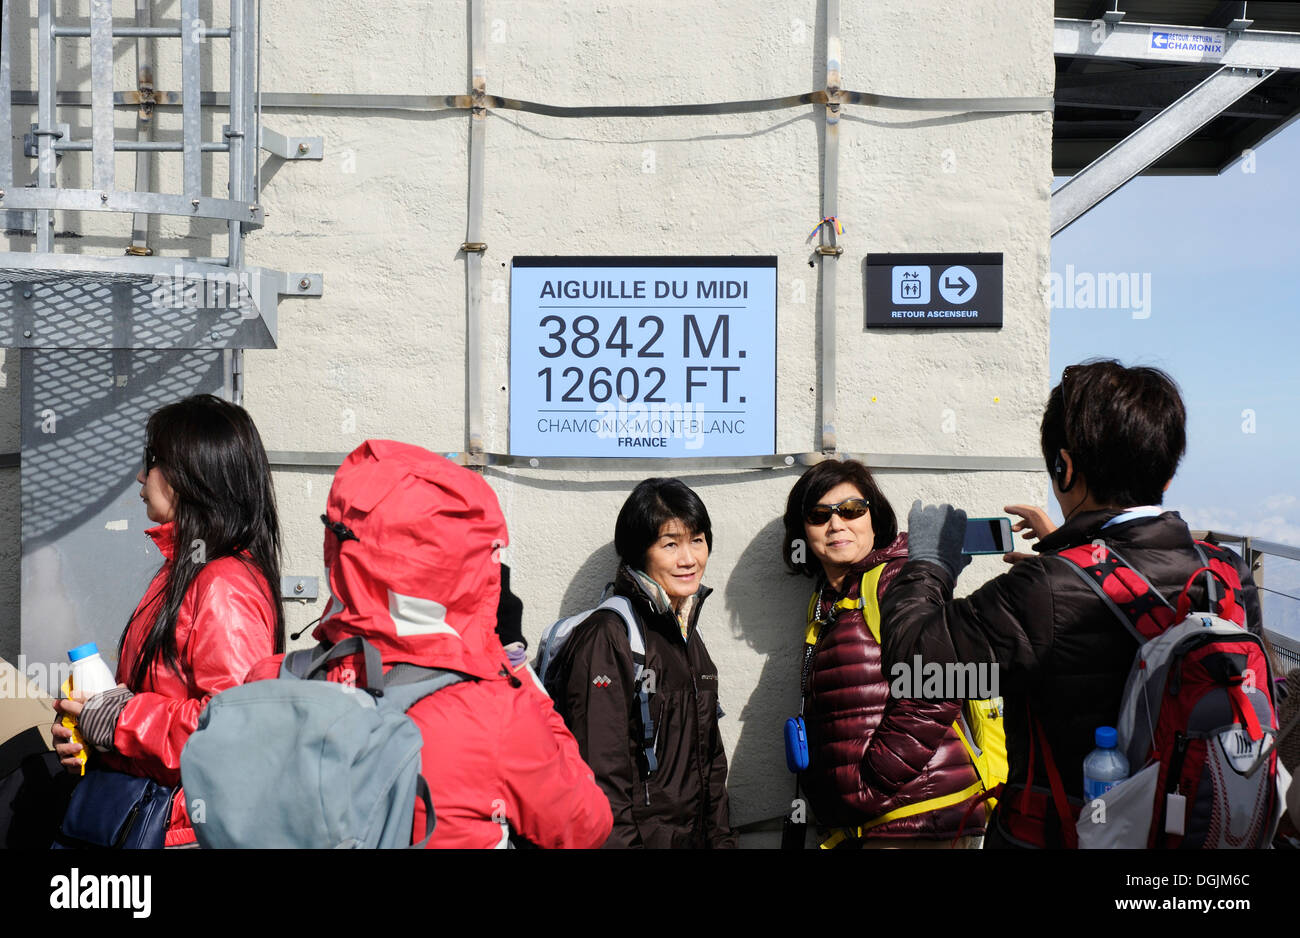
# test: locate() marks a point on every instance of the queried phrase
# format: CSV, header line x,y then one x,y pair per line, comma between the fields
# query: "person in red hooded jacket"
x,y
412,547
210,612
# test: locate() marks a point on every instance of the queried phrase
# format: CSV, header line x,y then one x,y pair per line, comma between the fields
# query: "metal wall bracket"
x,y
299,587
292,284
31,149
292,148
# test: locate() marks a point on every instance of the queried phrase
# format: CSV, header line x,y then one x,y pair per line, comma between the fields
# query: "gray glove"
x,y
936,533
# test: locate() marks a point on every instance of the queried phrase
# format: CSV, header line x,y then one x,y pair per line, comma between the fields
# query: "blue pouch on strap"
x,y
796,744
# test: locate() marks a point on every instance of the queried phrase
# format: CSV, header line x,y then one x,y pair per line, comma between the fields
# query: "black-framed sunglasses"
x,y
150,459
850,509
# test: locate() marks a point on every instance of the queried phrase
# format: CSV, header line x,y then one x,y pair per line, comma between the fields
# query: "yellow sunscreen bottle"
x,y
71,723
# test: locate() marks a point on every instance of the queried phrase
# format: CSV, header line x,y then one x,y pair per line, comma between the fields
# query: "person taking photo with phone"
x,y
1112,438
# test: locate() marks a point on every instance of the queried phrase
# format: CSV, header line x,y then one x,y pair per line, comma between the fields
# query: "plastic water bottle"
x,y
1105,766
90,676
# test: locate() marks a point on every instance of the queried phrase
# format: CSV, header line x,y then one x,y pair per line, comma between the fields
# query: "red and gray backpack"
x,y
1197,721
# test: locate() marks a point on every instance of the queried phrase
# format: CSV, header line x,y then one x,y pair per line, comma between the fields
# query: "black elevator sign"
x,y
933,290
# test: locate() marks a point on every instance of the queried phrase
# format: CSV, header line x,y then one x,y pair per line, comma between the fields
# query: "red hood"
x,y
421,580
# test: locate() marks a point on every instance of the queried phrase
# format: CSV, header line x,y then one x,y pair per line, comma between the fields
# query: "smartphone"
x,y
987,536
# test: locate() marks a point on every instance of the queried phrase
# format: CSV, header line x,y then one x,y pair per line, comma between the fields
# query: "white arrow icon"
x,y
957,285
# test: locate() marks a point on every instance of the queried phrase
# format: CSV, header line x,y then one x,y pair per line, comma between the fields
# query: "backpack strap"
x,y
636,639
1141,613
1217,566
1060,802
1211,587
869,599
309,664
1068,830
405,684
430,818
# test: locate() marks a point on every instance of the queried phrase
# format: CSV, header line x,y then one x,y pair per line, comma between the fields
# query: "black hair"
x,y
652,504
815,483
211,455
1124,428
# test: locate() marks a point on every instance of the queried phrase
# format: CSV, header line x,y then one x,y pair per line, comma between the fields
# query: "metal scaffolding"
x,y
54,299
107,338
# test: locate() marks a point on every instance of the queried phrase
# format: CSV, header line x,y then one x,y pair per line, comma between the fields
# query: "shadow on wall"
x,y
766,608
583,591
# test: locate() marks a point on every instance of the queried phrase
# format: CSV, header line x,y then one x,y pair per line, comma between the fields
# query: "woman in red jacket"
x,y
883,771
210,613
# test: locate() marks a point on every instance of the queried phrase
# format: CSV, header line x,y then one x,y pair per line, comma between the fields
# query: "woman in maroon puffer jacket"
x,y
883,771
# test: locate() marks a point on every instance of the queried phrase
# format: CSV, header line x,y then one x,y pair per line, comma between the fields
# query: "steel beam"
x,y
159,203
1133,42
191,117
46,69
101,83
1146,145
10,219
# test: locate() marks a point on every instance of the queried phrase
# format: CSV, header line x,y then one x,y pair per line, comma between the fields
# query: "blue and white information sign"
x,y
1188,43
643,356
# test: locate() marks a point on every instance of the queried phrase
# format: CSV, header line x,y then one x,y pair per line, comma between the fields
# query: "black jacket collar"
x,y
1168,528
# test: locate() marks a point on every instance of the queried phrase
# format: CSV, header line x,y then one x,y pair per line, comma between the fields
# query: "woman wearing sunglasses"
x,y
211,611
882,771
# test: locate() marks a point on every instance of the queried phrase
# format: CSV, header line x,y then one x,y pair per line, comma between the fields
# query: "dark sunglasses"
x,y
150,459
850,509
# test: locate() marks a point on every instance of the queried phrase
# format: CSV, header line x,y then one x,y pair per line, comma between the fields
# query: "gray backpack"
x,y
306,762
556,635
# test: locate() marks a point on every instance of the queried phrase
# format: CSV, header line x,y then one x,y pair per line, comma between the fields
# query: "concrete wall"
x,y
382,353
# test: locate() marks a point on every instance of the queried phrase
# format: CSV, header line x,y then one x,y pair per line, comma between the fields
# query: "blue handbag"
x,y
114,810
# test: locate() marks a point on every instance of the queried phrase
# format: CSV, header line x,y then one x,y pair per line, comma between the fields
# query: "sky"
x,y
1211,268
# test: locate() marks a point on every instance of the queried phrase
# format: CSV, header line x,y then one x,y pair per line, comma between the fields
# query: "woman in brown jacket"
x,y
883,771
665,771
